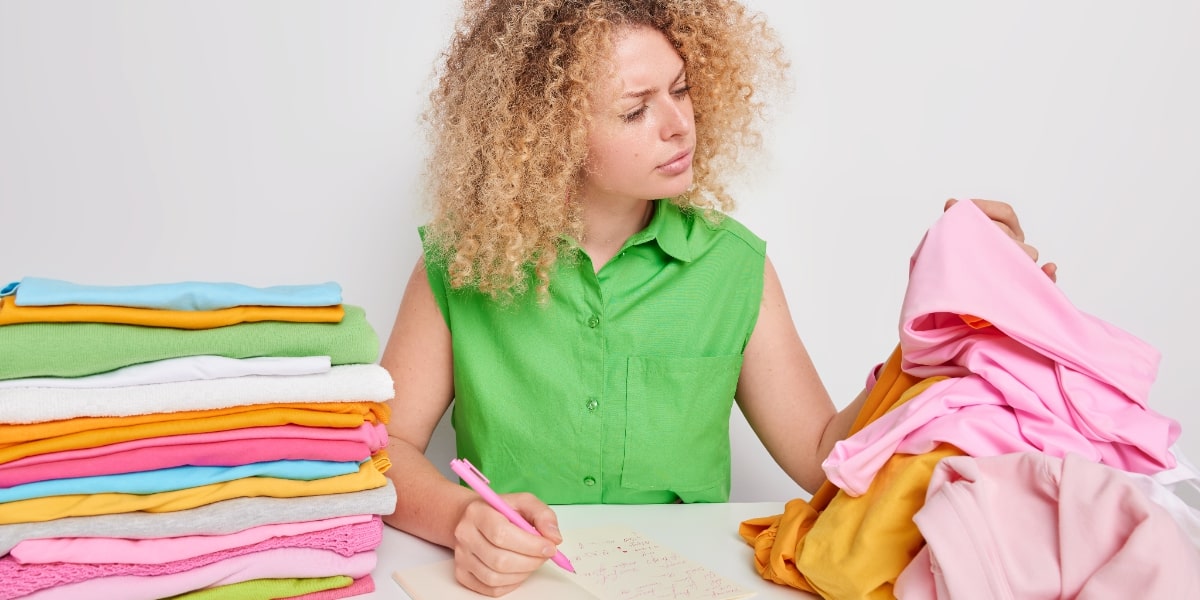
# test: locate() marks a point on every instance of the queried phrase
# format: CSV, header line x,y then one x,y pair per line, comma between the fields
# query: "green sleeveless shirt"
x,y
619,388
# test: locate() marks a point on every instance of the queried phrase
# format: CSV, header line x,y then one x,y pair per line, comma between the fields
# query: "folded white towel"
x,y
342,383
183,368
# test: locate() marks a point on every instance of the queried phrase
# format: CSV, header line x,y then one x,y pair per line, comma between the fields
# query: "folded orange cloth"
x,y
11,314
19,441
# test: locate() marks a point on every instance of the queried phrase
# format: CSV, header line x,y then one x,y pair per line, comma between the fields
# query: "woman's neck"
x,y
606,226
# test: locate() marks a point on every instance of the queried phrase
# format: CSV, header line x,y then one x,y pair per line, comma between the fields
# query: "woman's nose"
x,y
679,119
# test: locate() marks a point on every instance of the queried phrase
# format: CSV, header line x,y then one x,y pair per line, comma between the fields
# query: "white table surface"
x,y
705,533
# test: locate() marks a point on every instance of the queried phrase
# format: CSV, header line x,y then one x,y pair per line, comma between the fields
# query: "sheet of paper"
x,y
436,582
619,563
611,563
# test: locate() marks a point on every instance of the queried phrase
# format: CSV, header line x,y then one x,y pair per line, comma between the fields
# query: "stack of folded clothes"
x,y
190,440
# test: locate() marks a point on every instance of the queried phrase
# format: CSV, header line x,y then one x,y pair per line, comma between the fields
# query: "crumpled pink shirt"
x,y
1030,525
1042,377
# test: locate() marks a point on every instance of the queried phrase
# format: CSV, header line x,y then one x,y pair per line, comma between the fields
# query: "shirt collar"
x,y
668,229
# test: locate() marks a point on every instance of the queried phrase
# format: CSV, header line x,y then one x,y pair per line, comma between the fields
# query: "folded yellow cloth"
x,y
11,314
19,441
36,510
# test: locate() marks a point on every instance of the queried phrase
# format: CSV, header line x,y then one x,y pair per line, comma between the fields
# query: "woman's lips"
x,y
677,164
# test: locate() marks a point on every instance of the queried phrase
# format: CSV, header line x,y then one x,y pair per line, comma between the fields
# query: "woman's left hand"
x,y
1003,215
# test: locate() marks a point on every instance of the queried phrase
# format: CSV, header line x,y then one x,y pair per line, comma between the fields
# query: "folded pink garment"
x,y
1043,376
156,551
362,585
217,448
345,540
1035,526
277,563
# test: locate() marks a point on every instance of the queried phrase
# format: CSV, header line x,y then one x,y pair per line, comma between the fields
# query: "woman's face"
x,y
643,131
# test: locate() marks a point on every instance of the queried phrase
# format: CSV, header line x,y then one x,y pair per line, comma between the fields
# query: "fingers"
x,y
1030,250
540,515
491,555
476,576
1051,271
1003,215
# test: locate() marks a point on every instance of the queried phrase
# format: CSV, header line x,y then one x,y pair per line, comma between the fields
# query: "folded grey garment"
x,y
218,518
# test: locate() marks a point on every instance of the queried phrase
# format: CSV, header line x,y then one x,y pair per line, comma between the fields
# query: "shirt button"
x,y
593,321
592,404
589,481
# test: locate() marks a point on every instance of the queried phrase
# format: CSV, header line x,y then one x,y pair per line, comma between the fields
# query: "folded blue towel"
x,y
188,295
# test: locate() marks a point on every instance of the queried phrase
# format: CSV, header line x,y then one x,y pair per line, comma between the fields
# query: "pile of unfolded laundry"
x,y
189,440
1006,450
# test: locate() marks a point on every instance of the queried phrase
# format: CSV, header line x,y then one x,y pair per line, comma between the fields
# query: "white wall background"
x,y
275,142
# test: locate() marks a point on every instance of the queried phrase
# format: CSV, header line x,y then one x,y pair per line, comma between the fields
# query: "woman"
x,y
583,300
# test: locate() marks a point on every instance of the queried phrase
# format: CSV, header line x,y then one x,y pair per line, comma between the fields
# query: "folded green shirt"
x,y
78,349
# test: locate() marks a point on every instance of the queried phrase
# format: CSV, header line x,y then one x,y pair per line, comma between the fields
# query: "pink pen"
x,y
479,483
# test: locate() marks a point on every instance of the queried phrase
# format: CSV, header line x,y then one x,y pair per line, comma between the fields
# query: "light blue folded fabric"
x,y
188,295
176,478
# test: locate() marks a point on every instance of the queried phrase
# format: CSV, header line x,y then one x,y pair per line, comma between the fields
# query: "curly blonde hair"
x,y
508,122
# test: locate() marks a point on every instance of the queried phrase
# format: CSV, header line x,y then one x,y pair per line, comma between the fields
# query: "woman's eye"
x,y
634,115
681,92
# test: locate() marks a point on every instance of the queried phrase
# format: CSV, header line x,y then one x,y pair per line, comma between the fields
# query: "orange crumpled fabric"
x,y
778,539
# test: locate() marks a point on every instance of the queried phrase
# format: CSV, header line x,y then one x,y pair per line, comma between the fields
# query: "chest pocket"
x,y
677,428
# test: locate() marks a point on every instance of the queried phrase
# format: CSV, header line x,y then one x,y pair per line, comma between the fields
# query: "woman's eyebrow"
x,y
650,91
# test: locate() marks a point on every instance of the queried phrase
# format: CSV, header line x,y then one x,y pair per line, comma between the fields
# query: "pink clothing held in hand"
x,y
1039,375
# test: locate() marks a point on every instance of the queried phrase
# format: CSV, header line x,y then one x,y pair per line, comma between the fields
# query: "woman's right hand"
x,y
491,555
